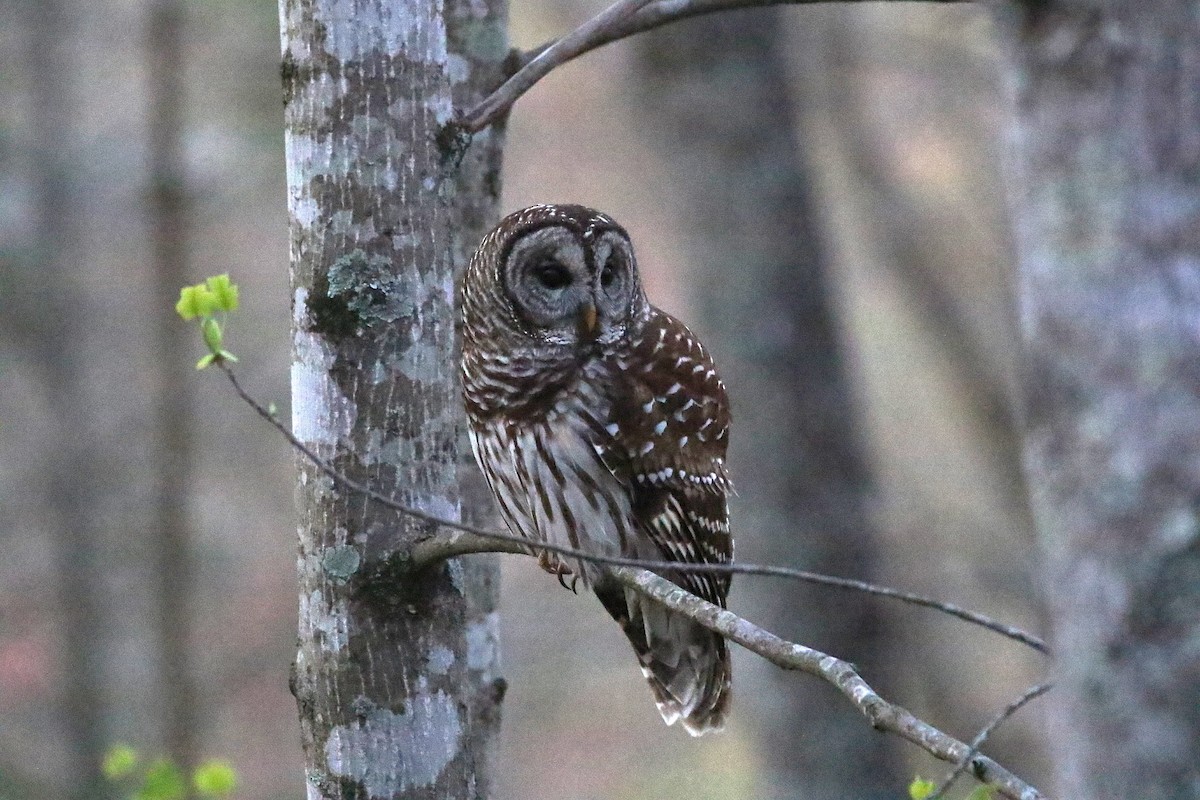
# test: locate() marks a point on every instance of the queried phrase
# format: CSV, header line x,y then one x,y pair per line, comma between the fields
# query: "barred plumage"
x,y
601,424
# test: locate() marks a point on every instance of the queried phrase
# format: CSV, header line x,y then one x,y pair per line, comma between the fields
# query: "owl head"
x,y
562,275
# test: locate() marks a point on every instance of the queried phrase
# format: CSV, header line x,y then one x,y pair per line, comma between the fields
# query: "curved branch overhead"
x,y
618,21
559,52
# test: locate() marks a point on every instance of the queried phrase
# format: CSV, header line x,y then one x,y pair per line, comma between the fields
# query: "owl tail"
x,y
686,664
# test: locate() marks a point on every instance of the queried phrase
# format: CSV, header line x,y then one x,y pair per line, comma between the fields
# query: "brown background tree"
x,y
758,270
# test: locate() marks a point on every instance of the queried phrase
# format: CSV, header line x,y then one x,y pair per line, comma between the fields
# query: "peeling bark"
x,y
396,677
1107,206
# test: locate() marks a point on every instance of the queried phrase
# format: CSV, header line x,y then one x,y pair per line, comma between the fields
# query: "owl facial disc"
x,y
571,282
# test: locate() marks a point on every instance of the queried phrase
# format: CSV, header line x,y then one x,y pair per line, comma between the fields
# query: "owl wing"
x,y
666,444
673,432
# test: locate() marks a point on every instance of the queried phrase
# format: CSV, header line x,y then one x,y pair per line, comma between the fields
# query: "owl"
x,y
600,424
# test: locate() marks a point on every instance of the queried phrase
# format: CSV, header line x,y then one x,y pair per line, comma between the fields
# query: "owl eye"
x,y
552,275
609,273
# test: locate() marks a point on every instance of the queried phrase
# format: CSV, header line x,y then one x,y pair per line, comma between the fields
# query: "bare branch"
x,y
560,52
461,539
458,539
982,736
616,22
880,713
460,543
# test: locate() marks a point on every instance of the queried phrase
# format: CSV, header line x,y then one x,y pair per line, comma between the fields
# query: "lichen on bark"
x,y
394,696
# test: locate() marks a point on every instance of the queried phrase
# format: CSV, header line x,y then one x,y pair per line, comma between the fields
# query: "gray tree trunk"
x,y
396,675
174,444
938,366
715,92
1107,206
75,481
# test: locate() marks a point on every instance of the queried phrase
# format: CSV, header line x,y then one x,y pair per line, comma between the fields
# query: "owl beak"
x,y
587,320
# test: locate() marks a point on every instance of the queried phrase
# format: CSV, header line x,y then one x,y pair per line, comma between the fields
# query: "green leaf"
x,y
163,781
186,306
212,334
224,292
215,778
982,793
225,355
920,788
206,360
118,762
195,301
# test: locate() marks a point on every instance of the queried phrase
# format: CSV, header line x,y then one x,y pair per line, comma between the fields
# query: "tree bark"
x,y
1107,207
759,266
396,676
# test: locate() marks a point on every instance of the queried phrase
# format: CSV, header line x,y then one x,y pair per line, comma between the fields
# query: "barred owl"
x,y
601,425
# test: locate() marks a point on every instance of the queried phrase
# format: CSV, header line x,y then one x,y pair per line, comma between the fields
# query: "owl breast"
x,y
595,452
549,462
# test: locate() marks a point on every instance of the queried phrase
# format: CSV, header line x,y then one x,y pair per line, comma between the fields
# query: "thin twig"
x,y
463,539
607,27
562,51
432,550
977,743
880,713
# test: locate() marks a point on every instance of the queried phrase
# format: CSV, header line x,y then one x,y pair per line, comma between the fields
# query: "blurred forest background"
x,y
858,303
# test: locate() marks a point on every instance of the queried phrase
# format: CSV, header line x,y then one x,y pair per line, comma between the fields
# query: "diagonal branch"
x,y
458,539
618,21
463,539
880,713
560,52
977,743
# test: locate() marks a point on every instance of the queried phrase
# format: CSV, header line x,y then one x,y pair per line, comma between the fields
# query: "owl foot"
x,y
558,569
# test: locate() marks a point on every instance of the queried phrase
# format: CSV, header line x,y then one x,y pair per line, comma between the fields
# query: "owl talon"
x,y
552,564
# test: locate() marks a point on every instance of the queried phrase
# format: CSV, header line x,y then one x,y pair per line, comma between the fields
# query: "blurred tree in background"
x,y
49,328
174,442
1106,209
759,273
903,109
83,586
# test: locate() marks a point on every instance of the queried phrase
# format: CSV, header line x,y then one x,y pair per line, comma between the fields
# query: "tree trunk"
x,y
396,675
925,273
174,444
76,482
760,270
1106,203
